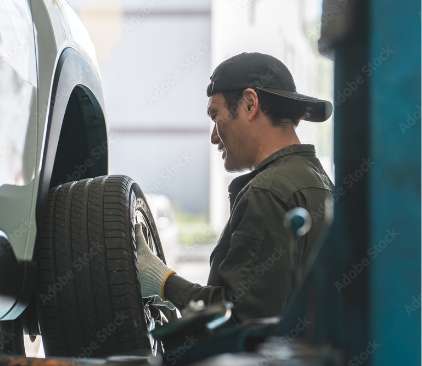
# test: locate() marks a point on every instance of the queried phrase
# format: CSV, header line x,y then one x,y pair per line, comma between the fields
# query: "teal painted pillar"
x,y
395,181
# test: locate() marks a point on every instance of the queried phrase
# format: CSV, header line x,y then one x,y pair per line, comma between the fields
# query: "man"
x,y
255,108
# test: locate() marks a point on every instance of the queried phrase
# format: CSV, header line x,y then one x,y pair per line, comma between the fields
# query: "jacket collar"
x,y
240,182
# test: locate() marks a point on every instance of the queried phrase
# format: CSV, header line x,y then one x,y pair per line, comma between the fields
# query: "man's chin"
x,y
231,167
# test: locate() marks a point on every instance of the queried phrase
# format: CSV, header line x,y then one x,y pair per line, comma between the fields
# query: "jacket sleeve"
x,y
257,270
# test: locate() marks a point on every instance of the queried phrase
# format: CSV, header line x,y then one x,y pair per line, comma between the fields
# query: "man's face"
x,y
230,134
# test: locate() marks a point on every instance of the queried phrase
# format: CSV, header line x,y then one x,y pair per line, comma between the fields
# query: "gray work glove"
x,y
153,273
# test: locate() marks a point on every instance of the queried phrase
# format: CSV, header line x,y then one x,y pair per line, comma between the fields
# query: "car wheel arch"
x,y
76,90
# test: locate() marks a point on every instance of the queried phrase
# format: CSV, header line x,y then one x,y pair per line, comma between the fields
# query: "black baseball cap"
x,y
266,73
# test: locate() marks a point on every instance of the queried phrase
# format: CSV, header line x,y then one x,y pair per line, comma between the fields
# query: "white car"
x,y
67,250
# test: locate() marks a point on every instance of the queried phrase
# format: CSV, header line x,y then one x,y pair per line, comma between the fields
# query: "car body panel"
x,y
23,129
45,54
18,128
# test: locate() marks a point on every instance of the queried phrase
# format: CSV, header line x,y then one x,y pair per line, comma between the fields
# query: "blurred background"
x,y
156,57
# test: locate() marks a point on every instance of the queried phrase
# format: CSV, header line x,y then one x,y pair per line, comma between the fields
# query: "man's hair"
x,y
279,110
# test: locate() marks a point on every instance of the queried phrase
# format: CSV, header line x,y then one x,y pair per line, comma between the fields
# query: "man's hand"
x,y
153,273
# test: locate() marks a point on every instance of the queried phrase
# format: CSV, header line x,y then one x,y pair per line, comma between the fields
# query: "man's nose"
x,y
215,139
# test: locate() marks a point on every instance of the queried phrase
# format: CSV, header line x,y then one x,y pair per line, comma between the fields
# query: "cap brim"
x,y
318,110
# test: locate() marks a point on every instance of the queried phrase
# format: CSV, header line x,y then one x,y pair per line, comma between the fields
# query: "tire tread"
x,y
86,238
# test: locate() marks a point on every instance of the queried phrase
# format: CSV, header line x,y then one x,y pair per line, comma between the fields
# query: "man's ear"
x,y
251,102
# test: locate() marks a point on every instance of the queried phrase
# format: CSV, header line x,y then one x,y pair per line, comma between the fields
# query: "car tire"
x,y
89,296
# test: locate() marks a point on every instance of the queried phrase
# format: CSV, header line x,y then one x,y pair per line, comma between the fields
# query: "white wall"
x,y
154,58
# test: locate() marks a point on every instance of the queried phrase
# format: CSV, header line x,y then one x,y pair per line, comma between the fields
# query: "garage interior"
x,y
360,299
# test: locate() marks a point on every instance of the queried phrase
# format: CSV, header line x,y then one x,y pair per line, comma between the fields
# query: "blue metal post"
x,y
395,181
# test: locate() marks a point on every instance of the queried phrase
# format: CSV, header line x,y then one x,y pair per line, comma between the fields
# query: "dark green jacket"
x,y
252,264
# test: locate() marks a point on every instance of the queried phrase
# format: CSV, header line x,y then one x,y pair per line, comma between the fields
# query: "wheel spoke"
x,y
149,239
